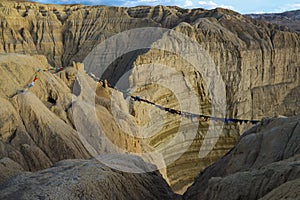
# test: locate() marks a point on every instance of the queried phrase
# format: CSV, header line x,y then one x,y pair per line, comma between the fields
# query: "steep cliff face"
x,y
258,62
254,59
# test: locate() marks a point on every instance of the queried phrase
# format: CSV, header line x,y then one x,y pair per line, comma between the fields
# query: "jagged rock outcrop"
x,y
32,135
88,179
37,125
258,62
264,162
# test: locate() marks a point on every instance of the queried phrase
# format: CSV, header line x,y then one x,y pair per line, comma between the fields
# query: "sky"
x,y
242,6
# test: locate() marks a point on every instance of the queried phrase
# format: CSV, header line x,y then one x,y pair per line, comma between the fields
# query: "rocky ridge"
x,y
289,19
37,125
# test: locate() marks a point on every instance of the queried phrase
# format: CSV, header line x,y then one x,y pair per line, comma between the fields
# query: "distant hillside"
x,y
290,19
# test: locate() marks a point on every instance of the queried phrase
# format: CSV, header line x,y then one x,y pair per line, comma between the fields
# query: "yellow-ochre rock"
x,y
258,62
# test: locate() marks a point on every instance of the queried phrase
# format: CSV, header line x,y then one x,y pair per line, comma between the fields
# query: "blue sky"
x,y
242,6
